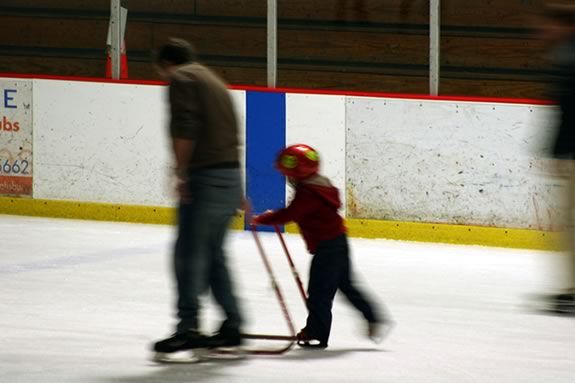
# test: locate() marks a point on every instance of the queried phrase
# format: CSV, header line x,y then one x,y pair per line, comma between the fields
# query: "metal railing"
x,y
118,21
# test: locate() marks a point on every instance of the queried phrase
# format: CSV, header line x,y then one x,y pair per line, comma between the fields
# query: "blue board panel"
x,y
265,137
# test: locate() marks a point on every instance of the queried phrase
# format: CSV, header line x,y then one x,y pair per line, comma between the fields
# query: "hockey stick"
x,y
292,265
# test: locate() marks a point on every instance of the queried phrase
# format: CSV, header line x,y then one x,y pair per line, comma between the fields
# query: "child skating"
x,y
314,209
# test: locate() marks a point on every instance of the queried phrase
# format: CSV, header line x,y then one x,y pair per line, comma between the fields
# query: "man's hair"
x,y
176,51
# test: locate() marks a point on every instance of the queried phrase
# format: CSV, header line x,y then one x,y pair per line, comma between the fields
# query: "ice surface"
x,y
82,302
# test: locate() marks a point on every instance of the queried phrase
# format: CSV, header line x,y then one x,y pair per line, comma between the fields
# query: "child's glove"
x,y
256,219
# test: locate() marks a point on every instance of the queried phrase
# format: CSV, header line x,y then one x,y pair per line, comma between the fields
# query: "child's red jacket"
x,y
314,209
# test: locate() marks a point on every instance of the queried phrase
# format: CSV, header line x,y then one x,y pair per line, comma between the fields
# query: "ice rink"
x,y
82,302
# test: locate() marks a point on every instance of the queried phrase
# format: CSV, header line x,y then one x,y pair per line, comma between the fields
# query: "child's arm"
x,y
295,211
278,217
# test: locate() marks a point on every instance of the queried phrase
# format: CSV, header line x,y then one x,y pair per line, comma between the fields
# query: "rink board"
x,y
448,162
432,162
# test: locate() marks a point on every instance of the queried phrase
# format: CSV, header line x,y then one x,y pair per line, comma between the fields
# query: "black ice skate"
x,y
190,340
563,303
306,340
378,331
227,336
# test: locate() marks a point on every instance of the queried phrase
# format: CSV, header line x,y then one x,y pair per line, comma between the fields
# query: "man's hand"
x,y
246,207
182,188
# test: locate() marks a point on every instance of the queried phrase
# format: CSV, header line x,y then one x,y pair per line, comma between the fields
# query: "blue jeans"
x,y
199,259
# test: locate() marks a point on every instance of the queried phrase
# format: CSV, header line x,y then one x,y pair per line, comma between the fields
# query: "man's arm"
x,y
183,150
186,121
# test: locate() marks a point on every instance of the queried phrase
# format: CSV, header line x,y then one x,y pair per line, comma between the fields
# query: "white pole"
x,y
116,39
434,45
272,43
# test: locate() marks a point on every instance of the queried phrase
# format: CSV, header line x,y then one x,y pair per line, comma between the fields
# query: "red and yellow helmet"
x,y
298,161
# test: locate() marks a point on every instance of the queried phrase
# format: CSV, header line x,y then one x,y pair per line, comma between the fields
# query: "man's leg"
x,y
220,278
224,200
191,265
190,268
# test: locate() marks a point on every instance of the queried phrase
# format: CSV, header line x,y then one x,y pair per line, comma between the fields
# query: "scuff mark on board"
x,y
352,208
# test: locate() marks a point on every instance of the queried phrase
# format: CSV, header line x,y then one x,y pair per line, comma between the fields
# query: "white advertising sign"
x,y
15,137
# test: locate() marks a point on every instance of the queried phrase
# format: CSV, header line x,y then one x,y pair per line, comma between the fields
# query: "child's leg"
x,y
324,279
355,296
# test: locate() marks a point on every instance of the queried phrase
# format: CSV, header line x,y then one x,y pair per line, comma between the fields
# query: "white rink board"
x,y
319,121
449,162
395,159
103,142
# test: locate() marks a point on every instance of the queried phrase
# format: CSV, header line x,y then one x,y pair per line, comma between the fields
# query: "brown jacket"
x,y
202,111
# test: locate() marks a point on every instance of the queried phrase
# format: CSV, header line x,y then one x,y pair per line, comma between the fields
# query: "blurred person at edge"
x,y
557,29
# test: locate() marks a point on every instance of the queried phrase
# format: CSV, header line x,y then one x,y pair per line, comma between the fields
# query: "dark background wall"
x,y
488,47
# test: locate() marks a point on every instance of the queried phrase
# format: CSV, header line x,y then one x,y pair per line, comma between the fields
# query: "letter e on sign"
x,y
9,98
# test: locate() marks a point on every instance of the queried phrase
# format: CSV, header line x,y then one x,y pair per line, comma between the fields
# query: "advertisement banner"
x,y
15,137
